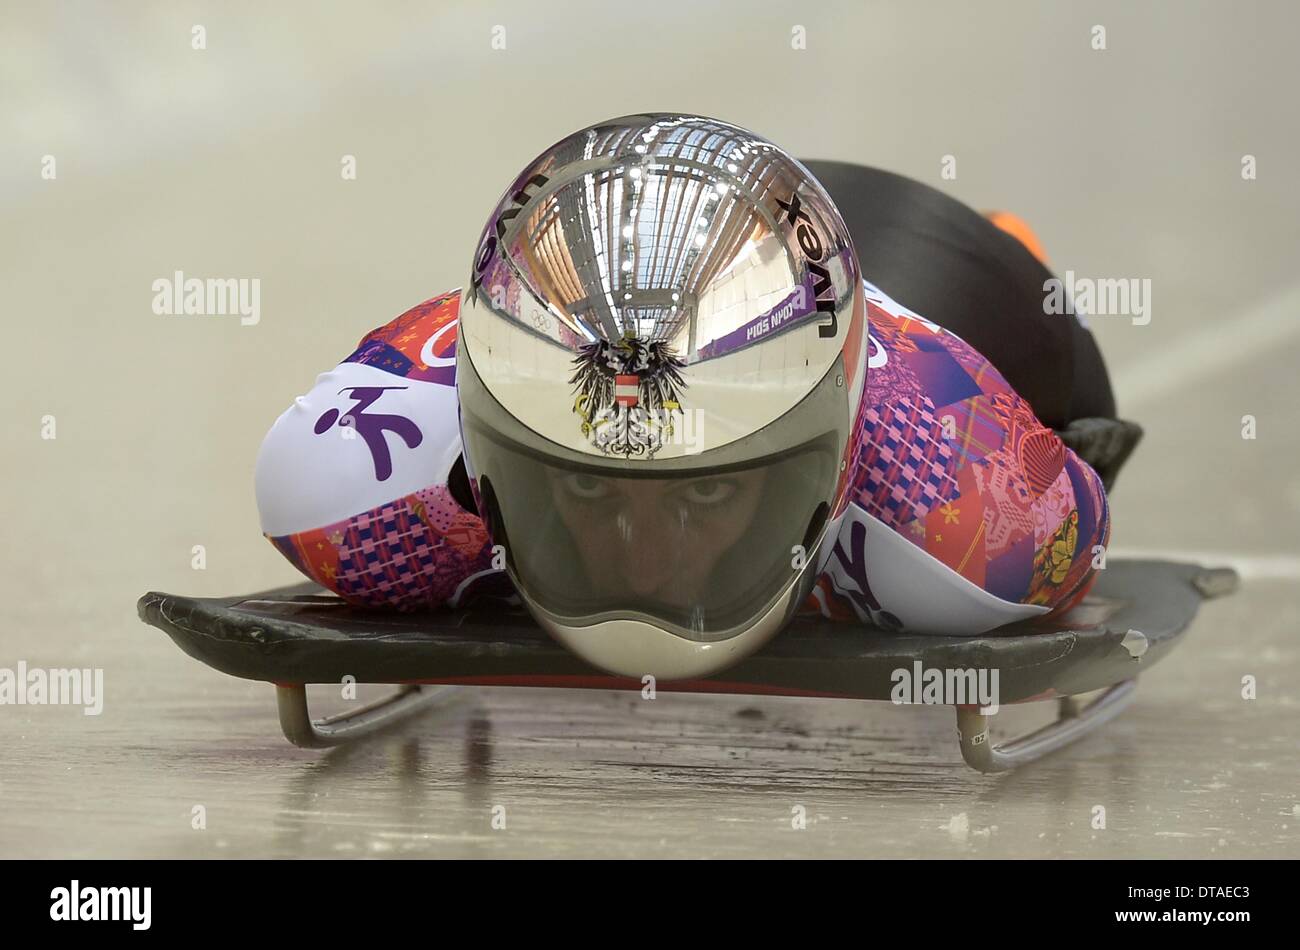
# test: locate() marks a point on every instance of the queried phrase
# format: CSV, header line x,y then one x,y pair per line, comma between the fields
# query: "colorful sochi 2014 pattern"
x,y
419,344
953,460
419,550
415,552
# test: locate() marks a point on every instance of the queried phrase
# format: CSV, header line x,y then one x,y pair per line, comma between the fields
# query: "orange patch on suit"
x,y
954,531
409,332
889,329
1019,229
823,600
313,552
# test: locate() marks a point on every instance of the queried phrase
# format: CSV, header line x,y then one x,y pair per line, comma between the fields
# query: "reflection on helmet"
x,y
660,366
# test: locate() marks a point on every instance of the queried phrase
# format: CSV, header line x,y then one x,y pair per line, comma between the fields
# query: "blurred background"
x,y
225,161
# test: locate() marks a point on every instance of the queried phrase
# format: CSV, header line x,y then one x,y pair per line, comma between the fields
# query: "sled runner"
x,y
294,636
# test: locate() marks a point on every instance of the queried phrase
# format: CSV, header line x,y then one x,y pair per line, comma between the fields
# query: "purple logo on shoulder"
x,y
372,426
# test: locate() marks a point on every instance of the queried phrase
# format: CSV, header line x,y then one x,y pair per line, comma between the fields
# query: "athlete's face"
x,y
655,538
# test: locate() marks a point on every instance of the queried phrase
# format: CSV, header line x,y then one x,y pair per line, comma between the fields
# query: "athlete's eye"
x,y
709,491
586,487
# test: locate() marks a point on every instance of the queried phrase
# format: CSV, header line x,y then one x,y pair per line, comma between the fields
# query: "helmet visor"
x,y
700,553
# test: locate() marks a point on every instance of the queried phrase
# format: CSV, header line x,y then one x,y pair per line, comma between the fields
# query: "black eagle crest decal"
x,y
629,392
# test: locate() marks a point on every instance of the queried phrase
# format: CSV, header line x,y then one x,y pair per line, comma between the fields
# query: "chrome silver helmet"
x,y
660,366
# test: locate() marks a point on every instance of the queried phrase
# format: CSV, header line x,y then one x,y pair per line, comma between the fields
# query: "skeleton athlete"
x,y
966,513
825,388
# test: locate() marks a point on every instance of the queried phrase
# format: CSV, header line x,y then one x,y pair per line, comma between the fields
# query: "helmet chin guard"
x,y
661,362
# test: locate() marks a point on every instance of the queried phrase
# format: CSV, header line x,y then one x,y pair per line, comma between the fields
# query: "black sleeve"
x,y
953,266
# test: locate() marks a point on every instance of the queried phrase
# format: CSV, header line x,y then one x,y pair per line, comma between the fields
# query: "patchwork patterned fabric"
x,y
955,462
977,431
1052,507
981,371
412,553
1042,458
419,344
954,532
1007,514
905,465
893,378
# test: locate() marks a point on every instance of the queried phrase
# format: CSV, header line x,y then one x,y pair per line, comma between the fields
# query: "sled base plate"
x,y
293,636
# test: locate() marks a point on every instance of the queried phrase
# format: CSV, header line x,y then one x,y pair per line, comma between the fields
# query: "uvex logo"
x,y
814,250
489,248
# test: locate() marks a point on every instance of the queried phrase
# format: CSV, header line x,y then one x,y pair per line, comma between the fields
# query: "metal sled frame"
x,y
411,700
307,733
1072,723
296,636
